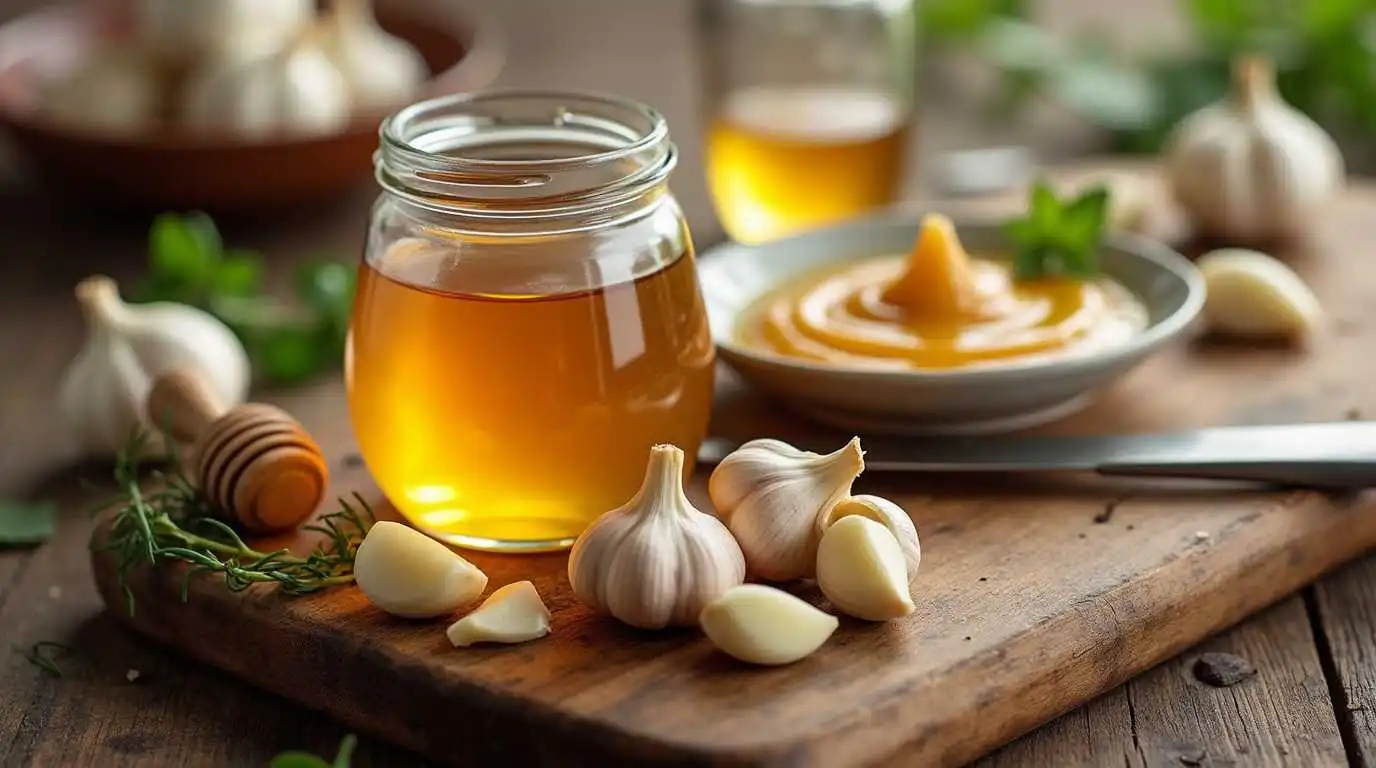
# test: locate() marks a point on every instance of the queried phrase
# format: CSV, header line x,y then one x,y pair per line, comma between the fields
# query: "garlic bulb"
x,y
887,514
763,625
655,561
770,495
382,71
294,91
860,569
1252,295
1252,167
512,614
408,574
181,30
117,91
102,393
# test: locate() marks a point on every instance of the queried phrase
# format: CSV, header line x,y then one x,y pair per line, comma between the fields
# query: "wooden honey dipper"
x,y
254,461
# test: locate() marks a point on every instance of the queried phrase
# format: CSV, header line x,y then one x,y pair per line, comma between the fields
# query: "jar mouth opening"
x,y
505,153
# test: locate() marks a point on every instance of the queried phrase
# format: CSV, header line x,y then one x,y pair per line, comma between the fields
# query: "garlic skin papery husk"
x,y
294,91
382,70
656,561
102,394
116,92
771,494
1252,168
887,514
180,30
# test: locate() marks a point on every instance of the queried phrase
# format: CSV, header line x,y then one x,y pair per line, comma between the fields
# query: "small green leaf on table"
x,y
26,523
296,759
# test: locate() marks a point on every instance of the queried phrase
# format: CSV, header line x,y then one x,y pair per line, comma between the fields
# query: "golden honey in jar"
x,y
781,160
528,321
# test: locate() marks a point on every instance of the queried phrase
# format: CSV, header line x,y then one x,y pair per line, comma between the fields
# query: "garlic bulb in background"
x,y
185,29
102,393
294,91
382,71
117,91
656,561
1252,167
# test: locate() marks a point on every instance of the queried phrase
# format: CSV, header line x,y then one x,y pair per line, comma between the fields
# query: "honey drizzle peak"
x,y
938,281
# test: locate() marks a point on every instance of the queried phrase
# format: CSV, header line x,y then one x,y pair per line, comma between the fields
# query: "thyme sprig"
x,y
174,521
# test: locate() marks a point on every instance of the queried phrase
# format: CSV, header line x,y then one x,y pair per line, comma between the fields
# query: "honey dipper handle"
x,y
183,405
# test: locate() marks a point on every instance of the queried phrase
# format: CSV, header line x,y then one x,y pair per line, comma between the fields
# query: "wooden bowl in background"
x,y
171,168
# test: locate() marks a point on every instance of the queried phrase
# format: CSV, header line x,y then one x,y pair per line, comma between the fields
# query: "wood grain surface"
x,y
1027,605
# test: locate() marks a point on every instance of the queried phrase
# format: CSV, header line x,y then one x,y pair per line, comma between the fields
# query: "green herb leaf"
x,y
287,354
185,249
43,654
297,759
26,523
240,273
1058,238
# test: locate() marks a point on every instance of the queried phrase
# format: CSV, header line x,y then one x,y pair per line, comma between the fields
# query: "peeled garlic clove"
x,y
382,71
1250,294
763,625
656,560
513,614
860,569
887,514
770,494
408,574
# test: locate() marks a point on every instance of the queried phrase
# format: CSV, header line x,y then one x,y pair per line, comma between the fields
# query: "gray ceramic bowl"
x,y
976,401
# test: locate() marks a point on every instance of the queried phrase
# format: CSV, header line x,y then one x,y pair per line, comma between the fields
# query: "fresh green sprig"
x,y
1058,238
297,759
26,523
287,342
175,522
43,654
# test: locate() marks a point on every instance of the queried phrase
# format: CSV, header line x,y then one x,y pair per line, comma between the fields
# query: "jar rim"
x,y
389,131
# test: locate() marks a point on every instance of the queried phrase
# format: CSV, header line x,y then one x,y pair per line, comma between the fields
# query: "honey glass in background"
x,y
809,103
528,321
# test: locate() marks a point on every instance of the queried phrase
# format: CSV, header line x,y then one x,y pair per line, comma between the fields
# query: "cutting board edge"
x,y
930,739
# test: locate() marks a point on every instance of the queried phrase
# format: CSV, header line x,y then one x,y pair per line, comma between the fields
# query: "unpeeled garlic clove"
x,y
1252,295
656,560
887,514
860,569
408,574
512,614
763,625
770,495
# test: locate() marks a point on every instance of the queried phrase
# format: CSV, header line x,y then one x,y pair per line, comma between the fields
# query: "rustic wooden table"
x,y
1311,703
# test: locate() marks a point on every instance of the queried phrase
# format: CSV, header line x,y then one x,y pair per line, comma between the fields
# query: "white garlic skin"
x,y
511,614
759,624
181,29
102,394
382,71
861,570
116,92
296,91
770,494
1252,168
887,514
408,574
656,561
1254,296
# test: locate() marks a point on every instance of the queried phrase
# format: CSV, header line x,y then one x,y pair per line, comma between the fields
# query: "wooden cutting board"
x,y
1036,594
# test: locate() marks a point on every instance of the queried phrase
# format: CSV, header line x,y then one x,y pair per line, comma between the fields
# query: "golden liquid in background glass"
x,y
784,160
511,422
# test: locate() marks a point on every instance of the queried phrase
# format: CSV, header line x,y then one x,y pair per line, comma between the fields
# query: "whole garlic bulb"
x,y
655,561
1252,167
382,71
771,494
116,91
102,394
179,30
293,91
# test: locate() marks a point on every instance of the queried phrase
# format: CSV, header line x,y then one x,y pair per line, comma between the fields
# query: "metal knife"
x,y
1339,455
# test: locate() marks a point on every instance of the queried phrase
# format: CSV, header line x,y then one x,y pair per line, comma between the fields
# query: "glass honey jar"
x,y
528,321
